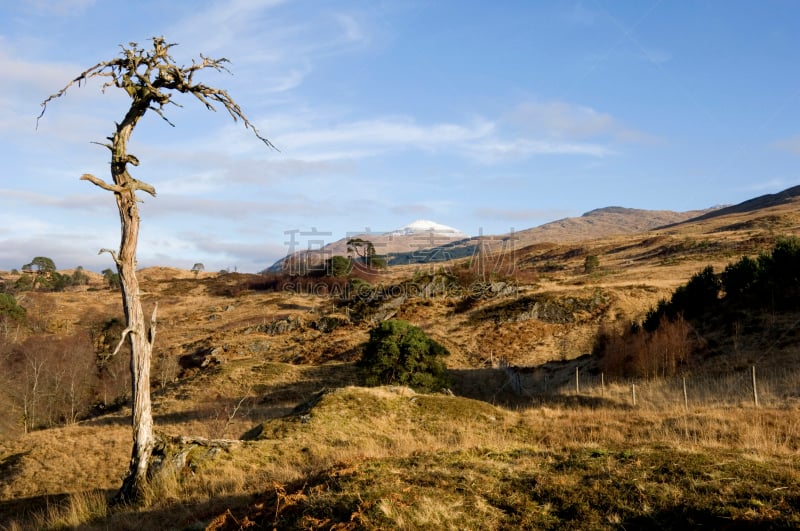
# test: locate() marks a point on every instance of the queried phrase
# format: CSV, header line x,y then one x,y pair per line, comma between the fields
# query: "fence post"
x,y
685,395
602,385
633,393
577,382
755,389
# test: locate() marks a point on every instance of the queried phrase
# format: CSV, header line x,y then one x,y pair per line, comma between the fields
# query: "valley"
x,y
258,398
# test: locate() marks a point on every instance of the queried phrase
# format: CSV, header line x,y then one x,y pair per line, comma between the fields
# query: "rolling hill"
x,y
258,397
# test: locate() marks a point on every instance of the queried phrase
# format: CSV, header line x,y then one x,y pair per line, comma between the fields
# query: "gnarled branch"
x,y
112,253
101,183
136,184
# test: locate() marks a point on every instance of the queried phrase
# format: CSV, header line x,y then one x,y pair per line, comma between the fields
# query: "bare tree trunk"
x,y
141,341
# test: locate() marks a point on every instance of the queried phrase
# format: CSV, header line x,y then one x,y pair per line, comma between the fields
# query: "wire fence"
x,y
745,386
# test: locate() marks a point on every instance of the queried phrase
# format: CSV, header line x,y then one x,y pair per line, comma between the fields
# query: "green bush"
x,y
338,266
9,308
591,263
399,353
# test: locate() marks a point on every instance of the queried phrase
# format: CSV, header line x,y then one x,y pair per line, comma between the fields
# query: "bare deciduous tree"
x,y
150,78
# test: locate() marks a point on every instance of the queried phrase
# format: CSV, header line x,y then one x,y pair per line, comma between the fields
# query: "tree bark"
x,y
140,340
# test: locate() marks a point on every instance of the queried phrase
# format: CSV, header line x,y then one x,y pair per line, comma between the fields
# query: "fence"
x,y
744,386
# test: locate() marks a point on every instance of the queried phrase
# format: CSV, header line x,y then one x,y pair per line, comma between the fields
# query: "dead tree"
x,y
150,78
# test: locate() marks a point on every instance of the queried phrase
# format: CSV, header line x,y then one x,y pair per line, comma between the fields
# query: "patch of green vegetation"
x,y
398,353
10,308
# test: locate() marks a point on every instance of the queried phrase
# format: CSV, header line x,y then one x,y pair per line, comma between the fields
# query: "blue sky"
x,y
484,116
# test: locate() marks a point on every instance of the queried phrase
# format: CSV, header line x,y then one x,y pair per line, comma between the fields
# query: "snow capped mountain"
x,y
424,226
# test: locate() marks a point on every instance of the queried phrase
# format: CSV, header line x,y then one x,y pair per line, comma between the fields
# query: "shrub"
x,y
739,278
401,354
338,266
591,263
10,309
638,352
692,300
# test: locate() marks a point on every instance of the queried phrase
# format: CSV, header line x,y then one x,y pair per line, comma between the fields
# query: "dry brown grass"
x,y
357,425
432,450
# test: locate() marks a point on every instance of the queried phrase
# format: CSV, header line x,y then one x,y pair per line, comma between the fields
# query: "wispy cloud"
x,y
790,145
524,214
480,139
415,210
370,137
521,148
59,7
87,203
559,119
261,34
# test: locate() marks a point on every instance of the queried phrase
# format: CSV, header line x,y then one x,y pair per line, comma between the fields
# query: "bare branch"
x,y
101,183
109,146
96,70
125,333
143,186
161,114
112,253
152,335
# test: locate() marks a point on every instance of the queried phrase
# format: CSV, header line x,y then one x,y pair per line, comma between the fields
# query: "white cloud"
x,y
388,134
521,148
558,119
352,29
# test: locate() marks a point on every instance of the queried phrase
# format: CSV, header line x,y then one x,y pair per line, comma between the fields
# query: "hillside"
x,y
270,375
414,238
425,241
602,223
762,202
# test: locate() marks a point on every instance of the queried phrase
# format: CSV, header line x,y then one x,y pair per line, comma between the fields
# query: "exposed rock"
x,y
202,358
329,323
280,326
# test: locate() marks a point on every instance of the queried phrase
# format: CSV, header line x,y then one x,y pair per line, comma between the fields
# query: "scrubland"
x,y
259,402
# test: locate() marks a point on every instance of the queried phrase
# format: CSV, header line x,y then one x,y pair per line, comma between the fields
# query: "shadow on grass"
x,y
693,518
494,386
274,400
313,378
37,511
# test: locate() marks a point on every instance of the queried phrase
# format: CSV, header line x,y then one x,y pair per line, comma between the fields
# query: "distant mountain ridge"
x,y
757,203
424,241
604,222
413,239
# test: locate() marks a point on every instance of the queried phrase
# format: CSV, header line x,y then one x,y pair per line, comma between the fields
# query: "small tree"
x,y
42,268
111,278
198,268
401,354
10,312
79,277
338,266
590,264
364,250
150,78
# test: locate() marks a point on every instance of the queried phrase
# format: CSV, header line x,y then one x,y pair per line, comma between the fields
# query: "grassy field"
x,y
276,432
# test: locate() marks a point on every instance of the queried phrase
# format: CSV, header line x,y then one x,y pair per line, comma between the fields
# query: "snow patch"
x,y
424,226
